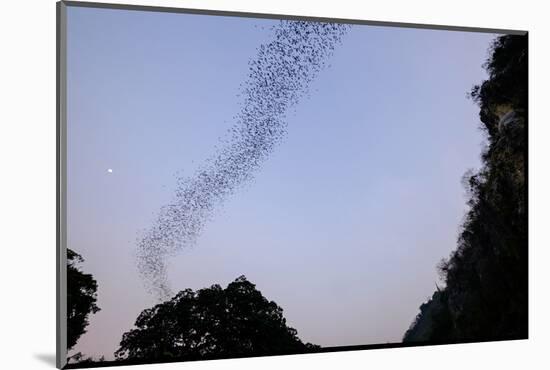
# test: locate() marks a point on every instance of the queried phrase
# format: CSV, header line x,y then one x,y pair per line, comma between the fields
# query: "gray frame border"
x,y
61,186
61,121
228,13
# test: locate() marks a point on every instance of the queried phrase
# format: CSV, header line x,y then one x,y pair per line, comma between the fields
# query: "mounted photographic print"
x,y
237,185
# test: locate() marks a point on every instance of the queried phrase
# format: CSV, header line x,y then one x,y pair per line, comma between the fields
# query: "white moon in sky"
x,y
110,170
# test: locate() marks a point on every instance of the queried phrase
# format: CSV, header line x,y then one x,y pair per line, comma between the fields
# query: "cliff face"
x,y
485,297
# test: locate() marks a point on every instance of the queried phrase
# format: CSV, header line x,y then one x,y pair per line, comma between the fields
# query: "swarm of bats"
x,y
279,77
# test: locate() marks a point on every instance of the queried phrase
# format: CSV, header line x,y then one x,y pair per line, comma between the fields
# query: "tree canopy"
x,y
209,323
485,297
81,298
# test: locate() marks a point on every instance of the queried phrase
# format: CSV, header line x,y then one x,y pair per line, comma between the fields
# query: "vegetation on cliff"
x,y
485,293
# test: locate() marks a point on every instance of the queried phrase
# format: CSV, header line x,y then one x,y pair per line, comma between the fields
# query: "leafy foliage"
x,y
485,297
81,360
211,322
433,321
507,83
81,298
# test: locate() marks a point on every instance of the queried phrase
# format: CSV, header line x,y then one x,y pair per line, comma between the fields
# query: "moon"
x,y
110,170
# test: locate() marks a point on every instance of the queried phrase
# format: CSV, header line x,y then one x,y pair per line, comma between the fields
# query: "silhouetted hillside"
x,y
485,297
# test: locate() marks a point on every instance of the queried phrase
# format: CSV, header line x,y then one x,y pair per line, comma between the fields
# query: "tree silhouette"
x,y
209,323
81,298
